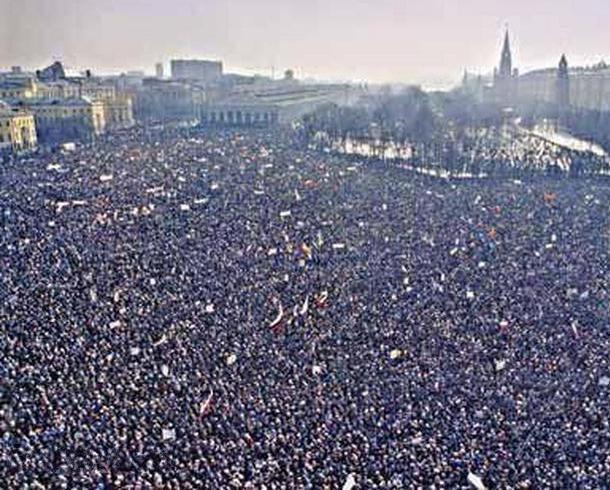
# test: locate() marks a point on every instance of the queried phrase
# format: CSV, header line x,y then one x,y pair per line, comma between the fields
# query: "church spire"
x,y
506,62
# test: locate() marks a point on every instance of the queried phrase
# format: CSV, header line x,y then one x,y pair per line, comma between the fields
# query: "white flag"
x,y
476,482
350,482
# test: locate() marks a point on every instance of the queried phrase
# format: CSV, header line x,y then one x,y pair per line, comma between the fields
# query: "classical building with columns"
x,y
65,104
59,120
17,130
270,104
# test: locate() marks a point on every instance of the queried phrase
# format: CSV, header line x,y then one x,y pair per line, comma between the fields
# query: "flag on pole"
x,y
206,406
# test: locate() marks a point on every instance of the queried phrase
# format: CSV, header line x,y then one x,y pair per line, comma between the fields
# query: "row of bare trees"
x,y
440,128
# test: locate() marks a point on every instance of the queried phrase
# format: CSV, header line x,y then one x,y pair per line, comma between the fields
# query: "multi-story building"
x,y
577,88
118,106
17,129
270,104
97,90
159,70
66,119
118,112
165,100
67,107
58,89
196,70
18,88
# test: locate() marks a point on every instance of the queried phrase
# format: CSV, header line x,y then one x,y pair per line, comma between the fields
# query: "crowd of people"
x,y
191,309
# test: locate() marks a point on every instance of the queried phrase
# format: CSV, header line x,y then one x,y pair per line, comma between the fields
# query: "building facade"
x,y
58,89
118,112
97,91
17,130
269,104
159,72
18,88
197,70
60,120
79,105
168,100
568,88
118,106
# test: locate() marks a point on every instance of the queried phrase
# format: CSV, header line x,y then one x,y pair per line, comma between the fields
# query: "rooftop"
x,y
281,96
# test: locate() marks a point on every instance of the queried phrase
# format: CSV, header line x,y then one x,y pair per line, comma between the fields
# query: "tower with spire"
x,y
562,97
506,60
505,76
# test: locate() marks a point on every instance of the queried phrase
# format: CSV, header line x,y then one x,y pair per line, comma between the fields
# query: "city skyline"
x,y
429,43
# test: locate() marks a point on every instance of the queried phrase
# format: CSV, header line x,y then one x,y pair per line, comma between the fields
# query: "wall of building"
x,y
590,91
67,108
70,119
270,103
99,91
18,89
17,131
236,115
61,89
118,112
167,101
200,70
587,90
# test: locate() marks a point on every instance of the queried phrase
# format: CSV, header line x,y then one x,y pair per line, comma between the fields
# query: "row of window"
x,y
239,117
66,112
16,122
16,95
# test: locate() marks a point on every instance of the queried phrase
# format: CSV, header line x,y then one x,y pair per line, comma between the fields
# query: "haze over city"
x,y
429,42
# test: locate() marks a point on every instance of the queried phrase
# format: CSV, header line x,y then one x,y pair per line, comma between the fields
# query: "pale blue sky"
x,y
422,41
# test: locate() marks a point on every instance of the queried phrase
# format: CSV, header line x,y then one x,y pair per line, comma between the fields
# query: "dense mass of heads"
x,y
222,310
